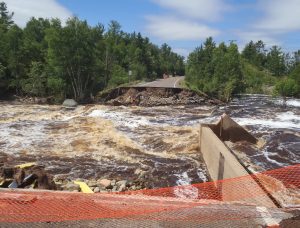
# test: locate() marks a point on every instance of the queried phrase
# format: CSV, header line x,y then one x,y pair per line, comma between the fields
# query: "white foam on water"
x,y
287,120
22,139
267,154
294,103
121,118
202,175
289,102
288,116
184,189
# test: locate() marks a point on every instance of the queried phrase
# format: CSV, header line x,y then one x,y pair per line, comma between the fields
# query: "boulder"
x,y
122,188
122,185
70,103
113,182
71,187
133,188
97,189
92,183
115,188
105,183
123,182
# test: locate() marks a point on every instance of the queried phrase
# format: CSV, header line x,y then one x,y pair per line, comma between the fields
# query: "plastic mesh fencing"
x,y
236,201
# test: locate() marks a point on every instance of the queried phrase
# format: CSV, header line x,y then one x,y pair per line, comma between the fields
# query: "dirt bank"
x,y
143,96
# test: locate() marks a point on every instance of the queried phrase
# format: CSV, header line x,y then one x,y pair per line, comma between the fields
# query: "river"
x,y
118,142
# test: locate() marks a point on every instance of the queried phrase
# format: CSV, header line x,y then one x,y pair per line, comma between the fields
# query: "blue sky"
x,y
183,24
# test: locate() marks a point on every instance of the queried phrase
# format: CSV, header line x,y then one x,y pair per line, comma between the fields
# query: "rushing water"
x,y
277,124
161,142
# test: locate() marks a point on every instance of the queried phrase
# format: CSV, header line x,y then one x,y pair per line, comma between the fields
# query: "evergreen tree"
x,y
276,62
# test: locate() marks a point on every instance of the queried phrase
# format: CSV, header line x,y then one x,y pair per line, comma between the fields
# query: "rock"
x,y
138,188
105,183
133,187
129,184
19,176
123,182
70,103
122,185
92,183
115,188
122,188
113,182
97,189
71,187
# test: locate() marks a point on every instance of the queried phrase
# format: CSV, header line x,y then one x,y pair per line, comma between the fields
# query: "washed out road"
x,y
172,82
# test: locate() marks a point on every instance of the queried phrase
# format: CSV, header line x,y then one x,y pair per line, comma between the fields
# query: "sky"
x,y
183,24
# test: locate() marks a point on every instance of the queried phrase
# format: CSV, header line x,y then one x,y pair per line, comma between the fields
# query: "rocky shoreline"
x,y
33,176
102,185
105,185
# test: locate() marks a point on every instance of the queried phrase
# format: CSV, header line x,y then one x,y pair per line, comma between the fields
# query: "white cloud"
x,y
173,28
255,36
209,10
25,9
182,51
280,16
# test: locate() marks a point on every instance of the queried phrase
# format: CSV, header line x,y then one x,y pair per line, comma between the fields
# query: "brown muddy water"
x,y
97,141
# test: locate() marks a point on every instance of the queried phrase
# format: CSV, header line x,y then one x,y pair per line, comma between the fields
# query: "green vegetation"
x,y
76,60
222,71
215,70
289,86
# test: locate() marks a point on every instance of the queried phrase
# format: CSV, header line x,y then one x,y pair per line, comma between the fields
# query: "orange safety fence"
x,y
245,187
234,200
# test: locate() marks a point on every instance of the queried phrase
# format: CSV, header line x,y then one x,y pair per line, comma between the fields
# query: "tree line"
x,y
222,71
76,60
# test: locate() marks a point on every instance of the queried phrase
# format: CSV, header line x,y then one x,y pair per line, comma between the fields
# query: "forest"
x,y
76,60
48,58
223,71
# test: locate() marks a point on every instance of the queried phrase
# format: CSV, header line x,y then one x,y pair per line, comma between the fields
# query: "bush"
x,y
287,88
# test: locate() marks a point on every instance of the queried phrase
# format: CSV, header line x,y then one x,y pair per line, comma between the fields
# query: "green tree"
x,y
75,60
36,83
5,24
255,53
16,58
276,62
73,53
5,17
35,44
215,70
119,76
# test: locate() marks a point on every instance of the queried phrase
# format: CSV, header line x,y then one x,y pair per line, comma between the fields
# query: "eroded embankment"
x,y
154,96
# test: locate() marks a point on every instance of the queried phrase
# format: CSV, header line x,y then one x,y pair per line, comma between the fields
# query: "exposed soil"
x,y
143,96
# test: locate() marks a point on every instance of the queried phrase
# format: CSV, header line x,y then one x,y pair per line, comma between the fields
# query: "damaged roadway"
x,y
154,96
